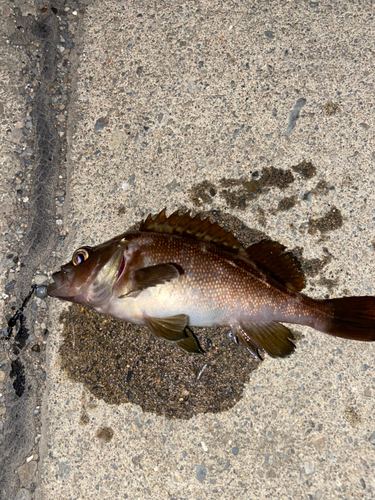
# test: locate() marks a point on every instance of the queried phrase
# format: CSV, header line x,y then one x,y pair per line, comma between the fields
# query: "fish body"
x,y
179,272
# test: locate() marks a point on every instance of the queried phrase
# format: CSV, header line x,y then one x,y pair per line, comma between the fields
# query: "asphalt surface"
x,y
259,113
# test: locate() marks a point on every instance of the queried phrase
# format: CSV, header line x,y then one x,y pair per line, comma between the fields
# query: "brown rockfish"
x,y
177,272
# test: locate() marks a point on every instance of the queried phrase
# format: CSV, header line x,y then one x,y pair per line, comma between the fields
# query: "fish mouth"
x,y
57,288
53,288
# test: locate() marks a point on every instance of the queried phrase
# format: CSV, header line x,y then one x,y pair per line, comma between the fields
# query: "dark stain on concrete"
x,y
287,203
322,188
330,108
331,221
328,283
306,169
84,418
105,434
102,352
276,177
312,267
237,193
121,210
203,193
352,415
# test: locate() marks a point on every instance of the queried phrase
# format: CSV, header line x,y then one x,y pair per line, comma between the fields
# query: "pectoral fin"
x,y
174,329
154,275
273,338
151,276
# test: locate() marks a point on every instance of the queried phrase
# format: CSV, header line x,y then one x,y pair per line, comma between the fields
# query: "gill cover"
x,y
101,288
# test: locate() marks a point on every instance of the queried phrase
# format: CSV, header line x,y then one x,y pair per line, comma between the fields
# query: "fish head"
x,y
89,278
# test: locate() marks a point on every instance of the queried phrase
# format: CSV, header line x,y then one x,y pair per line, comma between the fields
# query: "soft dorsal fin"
x,y
191,227
282,266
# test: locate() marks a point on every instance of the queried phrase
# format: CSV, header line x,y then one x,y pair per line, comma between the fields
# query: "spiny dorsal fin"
x,y
191,227
282,266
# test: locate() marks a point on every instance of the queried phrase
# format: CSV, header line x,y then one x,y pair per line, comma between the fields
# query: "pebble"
x,y
372,438
100,124
308,468
9,287
201,473
40,279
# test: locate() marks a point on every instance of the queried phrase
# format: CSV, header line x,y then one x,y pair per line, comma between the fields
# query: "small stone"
x,y
64,469
270,34
319,444
100,124
372,438
40,279
309,468
235,450
28,152
9,287
2,376
201,473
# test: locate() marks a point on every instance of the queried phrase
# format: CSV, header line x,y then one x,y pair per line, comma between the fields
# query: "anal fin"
x,y
273,338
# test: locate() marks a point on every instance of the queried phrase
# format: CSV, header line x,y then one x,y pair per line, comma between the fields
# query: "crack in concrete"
x,y
38,243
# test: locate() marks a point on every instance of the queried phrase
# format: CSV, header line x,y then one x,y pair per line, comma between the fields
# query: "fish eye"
x,y
80,256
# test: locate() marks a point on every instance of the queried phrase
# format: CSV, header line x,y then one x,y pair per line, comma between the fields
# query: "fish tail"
x,y
349,317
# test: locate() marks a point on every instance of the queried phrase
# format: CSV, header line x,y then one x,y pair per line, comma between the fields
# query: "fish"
x,y
181,271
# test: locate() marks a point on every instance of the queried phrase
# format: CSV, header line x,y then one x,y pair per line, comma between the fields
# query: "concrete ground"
x,y
186,104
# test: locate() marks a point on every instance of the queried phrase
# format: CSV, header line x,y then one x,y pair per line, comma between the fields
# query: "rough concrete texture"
x,y
192,104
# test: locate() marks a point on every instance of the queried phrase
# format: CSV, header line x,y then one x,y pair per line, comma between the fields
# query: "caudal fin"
x,y
351,318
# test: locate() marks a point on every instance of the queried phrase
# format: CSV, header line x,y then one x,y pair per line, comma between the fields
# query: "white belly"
x,y
161,302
